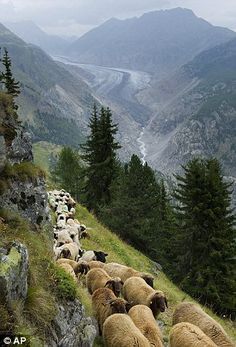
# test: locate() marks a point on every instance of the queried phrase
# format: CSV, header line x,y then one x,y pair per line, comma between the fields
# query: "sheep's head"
x,y
115,284
158,303
100,256
84,235
117,305
82,268
149,279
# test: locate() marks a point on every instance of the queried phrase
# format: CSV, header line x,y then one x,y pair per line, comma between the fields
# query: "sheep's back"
x,y
142,317
136,290
120,331
191,313
188,335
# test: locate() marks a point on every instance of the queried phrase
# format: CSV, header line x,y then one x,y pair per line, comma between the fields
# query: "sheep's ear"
x,y
122,283
166,302
108,282
105,254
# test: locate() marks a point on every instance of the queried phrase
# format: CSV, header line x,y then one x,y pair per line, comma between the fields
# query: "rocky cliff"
x,y
28,303
22,184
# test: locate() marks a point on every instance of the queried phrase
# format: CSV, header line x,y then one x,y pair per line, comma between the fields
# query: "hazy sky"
x,y
74,17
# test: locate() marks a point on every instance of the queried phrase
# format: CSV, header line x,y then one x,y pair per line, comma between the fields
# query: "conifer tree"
x,y
10,84
68,172
100,156
206,236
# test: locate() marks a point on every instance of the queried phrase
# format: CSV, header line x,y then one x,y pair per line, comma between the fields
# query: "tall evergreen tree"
x,y
134,211
68,172
206,235
100,156
11,86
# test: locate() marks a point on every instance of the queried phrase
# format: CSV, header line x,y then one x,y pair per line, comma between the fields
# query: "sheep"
x,y
56,250
94,255
69,251
68,269
73,232
62,237
105,303
93,264
191,313
81,267
188,335
143,318
125,272
98,278
120,331
137,291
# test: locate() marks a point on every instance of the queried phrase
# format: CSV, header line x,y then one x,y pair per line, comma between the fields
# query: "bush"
x,y
64,284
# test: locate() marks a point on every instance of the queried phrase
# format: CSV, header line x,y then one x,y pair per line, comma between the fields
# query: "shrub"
x,y
64,284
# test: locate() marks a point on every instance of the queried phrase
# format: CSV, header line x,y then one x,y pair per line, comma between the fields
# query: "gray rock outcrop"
x,y
71,328
14,264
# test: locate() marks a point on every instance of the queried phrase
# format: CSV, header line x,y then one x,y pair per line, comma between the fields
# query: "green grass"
x,y
44,152
22,172
119,251
34,317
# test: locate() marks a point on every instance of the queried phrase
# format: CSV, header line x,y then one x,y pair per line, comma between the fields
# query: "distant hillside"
x,y
54,104
196,112
31,33
158,41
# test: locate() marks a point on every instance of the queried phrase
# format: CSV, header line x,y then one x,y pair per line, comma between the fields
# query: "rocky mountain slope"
x,y
31,33
54,104
158,41
196,112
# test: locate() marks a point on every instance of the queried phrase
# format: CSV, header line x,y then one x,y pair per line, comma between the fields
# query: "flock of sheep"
x,y
129,321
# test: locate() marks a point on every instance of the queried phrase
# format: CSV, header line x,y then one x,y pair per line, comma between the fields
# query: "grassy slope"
x,y
42,151
119,251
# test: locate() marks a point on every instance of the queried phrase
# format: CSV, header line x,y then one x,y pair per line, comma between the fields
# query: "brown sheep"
x,y
188,335
68,268
105,303
98,278
191,313
125,272
81,267
137,291
143,318
93,264
120,331
69,251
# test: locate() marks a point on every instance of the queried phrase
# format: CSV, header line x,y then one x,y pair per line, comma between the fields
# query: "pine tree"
x,y
10,84
206,235
134,205
68,172
100,156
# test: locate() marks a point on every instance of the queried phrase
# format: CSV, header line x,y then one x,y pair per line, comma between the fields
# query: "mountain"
x,y
31,33
159,41
196,112
54,104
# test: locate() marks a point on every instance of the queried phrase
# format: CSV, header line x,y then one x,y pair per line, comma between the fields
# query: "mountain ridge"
x,y
158,41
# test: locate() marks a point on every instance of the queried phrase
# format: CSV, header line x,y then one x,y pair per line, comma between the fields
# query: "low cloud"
x,y
78,16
